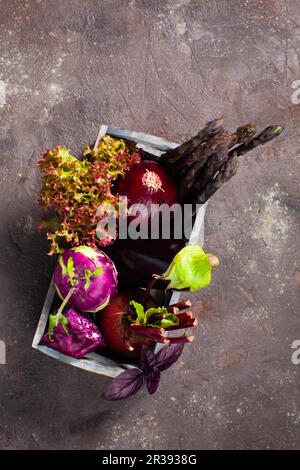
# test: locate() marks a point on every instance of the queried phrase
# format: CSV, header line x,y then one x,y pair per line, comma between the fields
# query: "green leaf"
x,y
62,265
169,319
70,268
88,274
190,269
87,283
98,271
156,317
139,309
52,324
87,150
155,311
165,323
63,321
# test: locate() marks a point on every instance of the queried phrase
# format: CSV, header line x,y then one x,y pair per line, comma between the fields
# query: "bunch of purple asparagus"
x,y
204,163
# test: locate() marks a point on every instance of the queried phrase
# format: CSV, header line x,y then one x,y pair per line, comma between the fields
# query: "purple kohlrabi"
x,y
76,336
87,276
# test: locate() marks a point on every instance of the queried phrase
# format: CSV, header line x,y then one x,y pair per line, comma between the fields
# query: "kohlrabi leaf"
x,y
126,384
62,265
70,268
88,274
52,324
87,283
64,321
98,271
190,269
70,271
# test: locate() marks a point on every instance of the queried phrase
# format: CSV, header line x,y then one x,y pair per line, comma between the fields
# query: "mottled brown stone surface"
x,y
164,67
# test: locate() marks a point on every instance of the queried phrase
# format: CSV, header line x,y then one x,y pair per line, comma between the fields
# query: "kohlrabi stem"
x,y
63,304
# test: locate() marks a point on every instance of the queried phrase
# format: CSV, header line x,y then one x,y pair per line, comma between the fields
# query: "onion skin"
x,y
147,183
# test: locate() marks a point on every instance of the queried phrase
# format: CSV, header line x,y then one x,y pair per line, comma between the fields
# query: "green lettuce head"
x,y
190,269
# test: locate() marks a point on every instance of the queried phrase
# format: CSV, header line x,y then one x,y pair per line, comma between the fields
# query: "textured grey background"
x,y
164,67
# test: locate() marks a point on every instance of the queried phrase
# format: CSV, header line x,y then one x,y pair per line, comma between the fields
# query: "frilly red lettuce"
x,y
73,190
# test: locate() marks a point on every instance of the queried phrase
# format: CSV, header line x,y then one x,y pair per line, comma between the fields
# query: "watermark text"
x,y
2,352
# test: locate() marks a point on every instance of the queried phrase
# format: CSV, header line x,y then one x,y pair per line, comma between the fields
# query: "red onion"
x,y
147,183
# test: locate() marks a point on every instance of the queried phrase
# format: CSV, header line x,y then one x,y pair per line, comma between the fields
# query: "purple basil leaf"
x,y
152,380
168,355
148,359
126,384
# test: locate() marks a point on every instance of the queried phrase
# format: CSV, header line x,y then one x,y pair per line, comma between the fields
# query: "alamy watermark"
x,y
139,221
296,353
296,93
2,352
2,93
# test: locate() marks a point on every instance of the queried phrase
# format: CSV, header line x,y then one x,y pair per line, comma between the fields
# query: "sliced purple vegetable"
x,y
76,336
